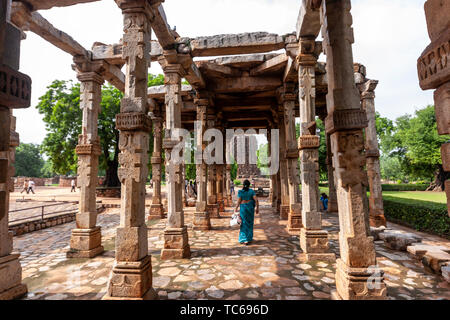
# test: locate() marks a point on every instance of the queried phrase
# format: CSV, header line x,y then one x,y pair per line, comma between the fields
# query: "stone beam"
x,y
270,65
113,52
160,91
217,70
246,84
166,37
34,22
48,4
243,43
115,76
308,22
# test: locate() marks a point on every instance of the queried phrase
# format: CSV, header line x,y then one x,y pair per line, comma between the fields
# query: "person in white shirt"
x,y
31,186
72,183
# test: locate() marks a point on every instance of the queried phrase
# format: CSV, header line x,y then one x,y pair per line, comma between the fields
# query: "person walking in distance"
x,y
31,186
72,183
25,186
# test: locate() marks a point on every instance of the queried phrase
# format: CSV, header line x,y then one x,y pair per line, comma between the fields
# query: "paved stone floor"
x,y
220,268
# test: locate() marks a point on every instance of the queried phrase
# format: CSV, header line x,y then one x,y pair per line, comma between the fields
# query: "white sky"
x,y
389,37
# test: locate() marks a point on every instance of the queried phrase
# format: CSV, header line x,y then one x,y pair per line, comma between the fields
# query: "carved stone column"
x,y
131,277
156,208
357,276
86,239
376,211
15,92
284,184
228,184
434,73
295,207
313,240
201,215
176,242
332,197
212,206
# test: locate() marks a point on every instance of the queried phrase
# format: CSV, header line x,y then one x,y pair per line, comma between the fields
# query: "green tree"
x,y
416,144
60,106
29,161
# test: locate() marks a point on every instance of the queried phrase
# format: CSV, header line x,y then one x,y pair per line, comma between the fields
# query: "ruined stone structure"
x,y
247,87
434,72
247,170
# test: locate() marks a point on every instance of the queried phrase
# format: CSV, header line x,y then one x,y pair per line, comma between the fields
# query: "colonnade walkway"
x,y
220,268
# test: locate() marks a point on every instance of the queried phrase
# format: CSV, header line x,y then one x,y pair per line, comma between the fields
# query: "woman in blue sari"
x,y
247,202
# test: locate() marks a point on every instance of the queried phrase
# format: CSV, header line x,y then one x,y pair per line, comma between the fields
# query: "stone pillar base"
x,y
295,218
176,244
221,206
85,243
131,280
377,220
359,283
11,286
315,245
156,212
213,210
202,221
284,212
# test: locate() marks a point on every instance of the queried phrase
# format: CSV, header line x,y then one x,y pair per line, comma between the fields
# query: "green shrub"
x,y
424,216
404,187
237,182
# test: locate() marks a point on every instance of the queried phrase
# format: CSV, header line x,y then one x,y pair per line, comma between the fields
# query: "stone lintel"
x,y
347,119
133,121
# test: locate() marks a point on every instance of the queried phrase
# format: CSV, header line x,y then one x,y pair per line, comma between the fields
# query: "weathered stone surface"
x,y
397,240
376,231
435,260
445,270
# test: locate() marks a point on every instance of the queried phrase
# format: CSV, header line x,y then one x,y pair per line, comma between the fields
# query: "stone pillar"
x,y
295,207
376,211
284,184
357,276
156,208
212,205
332,197
176,242
434,73
131,277
219,188
11,286
201,215
228,184
86,239
313,240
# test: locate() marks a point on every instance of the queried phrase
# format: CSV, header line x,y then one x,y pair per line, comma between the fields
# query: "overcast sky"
x,y
389,37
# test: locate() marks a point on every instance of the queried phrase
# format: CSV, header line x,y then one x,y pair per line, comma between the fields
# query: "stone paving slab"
x,y
220,268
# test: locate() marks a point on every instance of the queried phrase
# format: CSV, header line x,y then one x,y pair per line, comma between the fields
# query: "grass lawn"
x,y
438,197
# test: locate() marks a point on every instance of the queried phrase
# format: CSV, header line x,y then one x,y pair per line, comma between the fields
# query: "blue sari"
x,y
247,213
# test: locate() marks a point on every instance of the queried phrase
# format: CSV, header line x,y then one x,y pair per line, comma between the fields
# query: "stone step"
x,y
397,240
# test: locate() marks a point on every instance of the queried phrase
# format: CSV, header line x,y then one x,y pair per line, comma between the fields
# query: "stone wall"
x,y
38,182
23,227
113,192
66,181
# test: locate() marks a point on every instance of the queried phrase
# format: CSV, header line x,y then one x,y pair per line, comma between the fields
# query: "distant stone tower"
x,y
247,170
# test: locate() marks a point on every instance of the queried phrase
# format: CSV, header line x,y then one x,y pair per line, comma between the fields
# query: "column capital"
x,y
309,52
349,119
173,73
137,6
368,89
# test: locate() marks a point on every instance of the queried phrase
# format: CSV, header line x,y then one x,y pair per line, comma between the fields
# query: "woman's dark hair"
x,y
246,185
324,195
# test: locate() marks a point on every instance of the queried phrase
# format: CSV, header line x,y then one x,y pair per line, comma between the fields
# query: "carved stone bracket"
x,y
15,88
433,65
349,119
133,121
308,142
88,149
